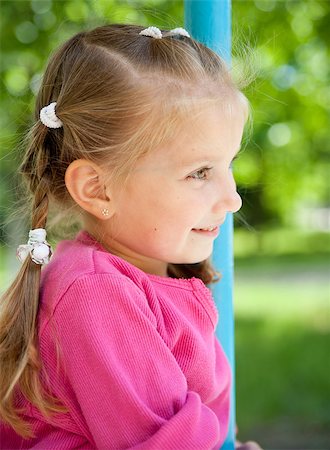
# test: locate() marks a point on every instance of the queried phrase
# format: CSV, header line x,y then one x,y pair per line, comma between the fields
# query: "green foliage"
x,y
285,166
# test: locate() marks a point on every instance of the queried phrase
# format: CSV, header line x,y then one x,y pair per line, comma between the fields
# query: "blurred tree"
x,y
284,165
288,164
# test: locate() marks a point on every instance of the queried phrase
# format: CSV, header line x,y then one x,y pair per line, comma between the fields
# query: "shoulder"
x,y
82,268
75,259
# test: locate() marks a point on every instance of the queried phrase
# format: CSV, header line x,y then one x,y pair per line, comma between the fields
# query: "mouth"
x,y
208,231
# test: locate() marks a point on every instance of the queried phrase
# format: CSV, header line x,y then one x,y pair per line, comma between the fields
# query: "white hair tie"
x,y
180,31
157,34
37,247
152,32
49,118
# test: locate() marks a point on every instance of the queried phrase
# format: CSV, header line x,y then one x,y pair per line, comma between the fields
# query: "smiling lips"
x,y
205,229
209,231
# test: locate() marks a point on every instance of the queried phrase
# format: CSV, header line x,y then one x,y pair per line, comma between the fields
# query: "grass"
x,y
284,286
282,308
282,378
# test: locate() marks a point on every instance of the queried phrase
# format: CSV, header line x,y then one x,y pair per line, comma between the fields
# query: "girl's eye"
x,y
201,174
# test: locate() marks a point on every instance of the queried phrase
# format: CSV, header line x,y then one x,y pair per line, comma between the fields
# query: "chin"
x,y
194,260
200,260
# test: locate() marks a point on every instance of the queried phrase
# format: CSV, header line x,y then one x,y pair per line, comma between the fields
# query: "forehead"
x,y
212,133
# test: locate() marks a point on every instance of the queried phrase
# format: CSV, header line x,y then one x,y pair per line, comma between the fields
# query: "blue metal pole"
x,y
209,21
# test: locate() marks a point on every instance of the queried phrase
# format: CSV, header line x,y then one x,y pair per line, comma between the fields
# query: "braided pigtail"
x,y
43,170
19,355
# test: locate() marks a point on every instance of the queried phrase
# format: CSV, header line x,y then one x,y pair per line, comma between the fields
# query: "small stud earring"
x,y
105,212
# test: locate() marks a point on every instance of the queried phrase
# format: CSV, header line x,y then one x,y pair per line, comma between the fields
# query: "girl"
x,y
111,345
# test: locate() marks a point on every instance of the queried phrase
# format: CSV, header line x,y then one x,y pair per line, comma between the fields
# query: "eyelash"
x,y
204,170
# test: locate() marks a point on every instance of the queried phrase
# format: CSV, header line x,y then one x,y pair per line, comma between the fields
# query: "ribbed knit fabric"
x,y
139,365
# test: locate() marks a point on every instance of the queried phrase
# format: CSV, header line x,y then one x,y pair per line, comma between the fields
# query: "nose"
x,y
234,202
228,199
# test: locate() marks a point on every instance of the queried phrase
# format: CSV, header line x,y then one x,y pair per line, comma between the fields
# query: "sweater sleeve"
x,y
130,389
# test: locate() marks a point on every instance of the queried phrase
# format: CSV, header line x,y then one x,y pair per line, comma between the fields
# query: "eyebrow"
x,y
206,159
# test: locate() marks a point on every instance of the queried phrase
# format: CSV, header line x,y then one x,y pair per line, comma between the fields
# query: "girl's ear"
x,y
85,182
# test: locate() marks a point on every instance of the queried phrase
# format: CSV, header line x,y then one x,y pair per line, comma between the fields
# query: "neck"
x,y
142,262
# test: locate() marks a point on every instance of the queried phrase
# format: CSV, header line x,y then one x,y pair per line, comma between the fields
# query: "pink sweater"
x,y
139,365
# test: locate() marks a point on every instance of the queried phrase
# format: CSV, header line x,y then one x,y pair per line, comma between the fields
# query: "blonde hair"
x,y
119,95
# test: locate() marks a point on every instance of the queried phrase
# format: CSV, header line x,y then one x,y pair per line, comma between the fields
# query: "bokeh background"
x,y
282,290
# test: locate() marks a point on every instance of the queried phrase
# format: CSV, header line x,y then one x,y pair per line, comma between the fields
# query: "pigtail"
x,y
43,170
19,356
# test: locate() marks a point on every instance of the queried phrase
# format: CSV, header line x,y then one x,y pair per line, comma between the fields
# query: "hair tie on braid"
x,y
49,118
37,247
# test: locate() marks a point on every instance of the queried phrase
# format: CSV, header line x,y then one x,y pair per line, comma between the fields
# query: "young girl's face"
x,y
174,192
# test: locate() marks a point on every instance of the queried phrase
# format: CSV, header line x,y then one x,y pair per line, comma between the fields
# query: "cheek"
x,y
167,204
202,198
191,204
